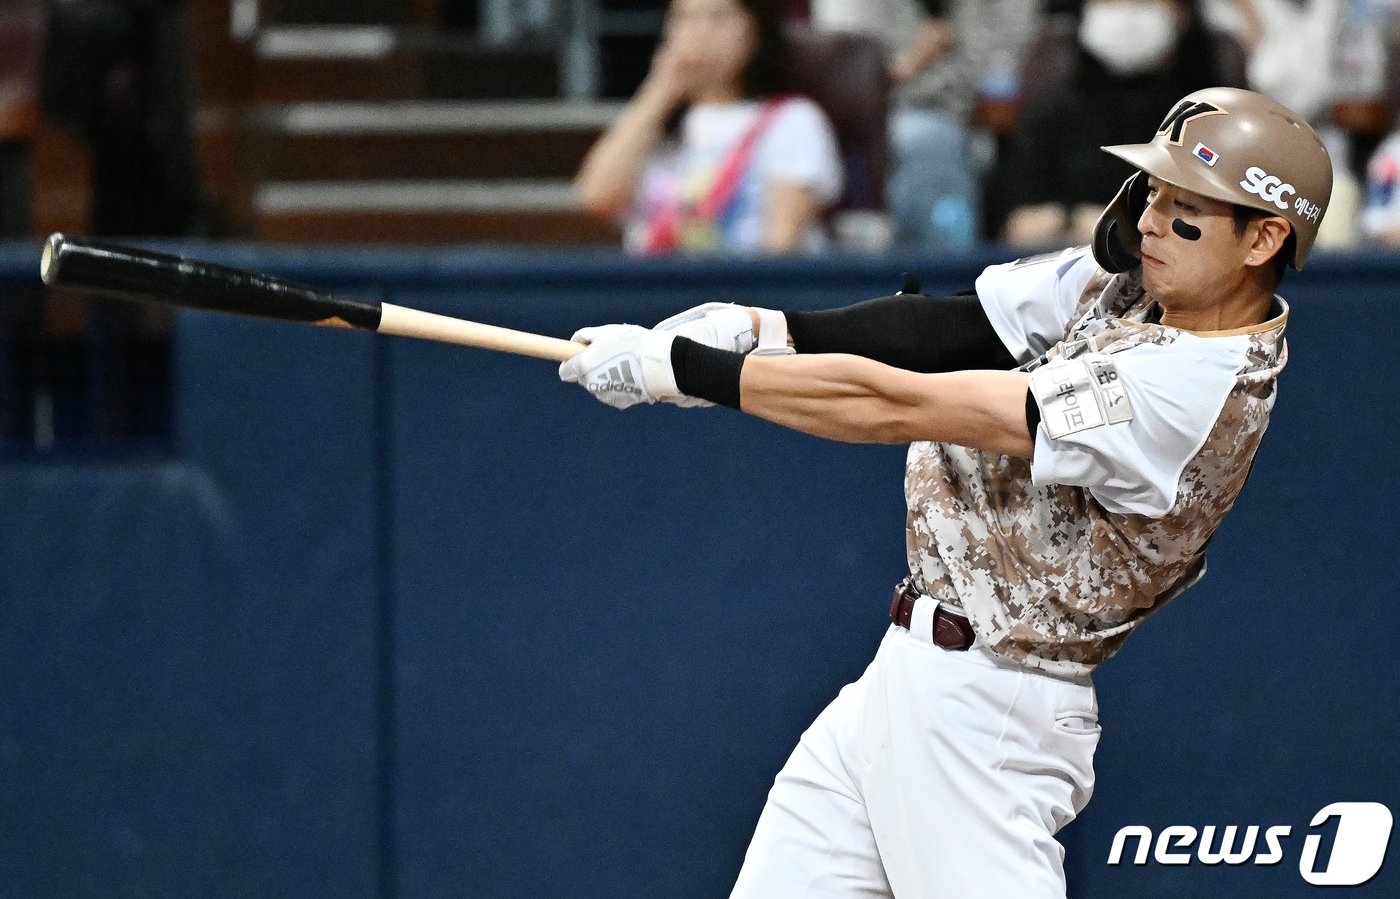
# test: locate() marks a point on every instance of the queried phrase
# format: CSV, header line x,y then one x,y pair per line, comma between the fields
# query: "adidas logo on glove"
x,y
618,379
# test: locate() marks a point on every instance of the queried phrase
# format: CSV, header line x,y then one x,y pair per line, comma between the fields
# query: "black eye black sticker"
x,y
1185,231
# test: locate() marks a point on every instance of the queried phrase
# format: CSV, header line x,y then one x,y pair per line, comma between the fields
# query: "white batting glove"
x,y
726,326
624,365
723,326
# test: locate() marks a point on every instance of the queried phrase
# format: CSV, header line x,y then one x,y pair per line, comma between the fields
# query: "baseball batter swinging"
x,y
1079,424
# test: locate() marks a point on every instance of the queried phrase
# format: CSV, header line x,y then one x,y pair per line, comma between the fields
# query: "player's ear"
x,y
1268,237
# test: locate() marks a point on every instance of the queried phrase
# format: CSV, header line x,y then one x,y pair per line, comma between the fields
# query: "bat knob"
x,y
48,263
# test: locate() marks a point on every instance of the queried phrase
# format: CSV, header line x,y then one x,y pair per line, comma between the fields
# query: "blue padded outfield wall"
x,y
399,619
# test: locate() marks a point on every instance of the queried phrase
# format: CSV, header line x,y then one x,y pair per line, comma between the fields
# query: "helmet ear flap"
x,y
1116,238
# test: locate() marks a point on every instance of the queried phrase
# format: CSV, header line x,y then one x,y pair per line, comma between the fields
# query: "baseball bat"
x,y
105,269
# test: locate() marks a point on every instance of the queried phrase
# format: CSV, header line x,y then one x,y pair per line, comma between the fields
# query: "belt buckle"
x,y
951,629
895,600
903,592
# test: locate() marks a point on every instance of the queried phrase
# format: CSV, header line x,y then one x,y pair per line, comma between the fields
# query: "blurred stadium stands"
x,y
373,122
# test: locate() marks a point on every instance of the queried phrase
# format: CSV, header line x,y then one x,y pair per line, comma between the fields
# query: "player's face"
x,y
1191,254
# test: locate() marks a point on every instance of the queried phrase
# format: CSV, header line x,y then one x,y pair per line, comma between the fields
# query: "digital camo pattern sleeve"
x,y
1057,560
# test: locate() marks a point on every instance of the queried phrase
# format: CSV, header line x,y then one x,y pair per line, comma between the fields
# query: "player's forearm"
x,y
828,396
857,400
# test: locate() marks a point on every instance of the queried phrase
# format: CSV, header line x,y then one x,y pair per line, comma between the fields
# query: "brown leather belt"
x,y
951,629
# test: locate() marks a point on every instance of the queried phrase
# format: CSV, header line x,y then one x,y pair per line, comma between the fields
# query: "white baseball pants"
x,y
938,774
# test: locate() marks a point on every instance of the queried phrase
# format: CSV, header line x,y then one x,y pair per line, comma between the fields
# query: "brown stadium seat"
x,y
845,74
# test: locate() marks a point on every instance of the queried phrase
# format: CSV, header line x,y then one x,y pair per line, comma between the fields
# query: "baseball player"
x,y
1079,424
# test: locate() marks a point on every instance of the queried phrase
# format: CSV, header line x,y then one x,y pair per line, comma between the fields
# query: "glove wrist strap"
x,y
772,333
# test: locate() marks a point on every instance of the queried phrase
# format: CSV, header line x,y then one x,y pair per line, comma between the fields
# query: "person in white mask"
x,y
1131,37
1129,58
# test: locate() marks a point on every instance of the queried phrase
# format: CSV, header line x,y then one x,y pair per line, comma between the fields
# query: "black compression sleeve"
x,y
705,372
1032,414
909,331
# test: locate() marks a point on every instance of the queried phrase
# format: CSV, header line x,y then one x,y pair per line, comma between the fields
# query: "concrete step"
x,y
425,156
515,211
376,62
343,12
429,228
421,141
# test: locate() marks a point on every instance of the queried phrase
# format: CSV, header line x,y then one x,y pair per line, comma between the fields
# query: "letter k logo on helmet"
x,y
1232,145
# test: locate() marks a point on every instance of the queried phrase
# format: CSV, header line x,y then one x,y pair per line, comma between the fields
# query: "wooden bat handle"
x,y
407,322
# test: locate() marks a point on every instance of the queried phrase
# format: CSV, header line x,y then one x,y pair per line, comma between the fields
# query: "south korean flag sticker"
x,y
1206,154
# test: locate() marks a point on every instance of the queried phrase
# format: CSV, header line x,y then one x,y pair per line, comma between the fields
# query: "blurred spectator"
x,y
944,54
711,155
115,73
20,36
21,27
1132,59
1312,54
1380,219
1327,59
1291,51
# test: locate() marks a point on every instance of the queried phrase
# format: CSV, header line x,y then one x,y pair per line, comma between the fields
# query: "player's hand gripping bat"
x,y
108,270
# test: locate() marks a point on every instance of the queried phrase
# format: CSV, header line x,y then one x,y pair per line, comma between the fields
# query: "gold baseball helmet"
x,y
1231,145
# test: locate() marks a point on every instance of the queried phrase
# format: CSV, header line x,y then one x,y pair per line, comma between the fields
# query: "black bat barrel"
x,y
110,270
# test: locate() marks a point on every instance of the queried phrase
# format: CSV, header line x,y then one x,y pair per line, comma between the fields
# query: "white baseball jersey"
x,y
1147,434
